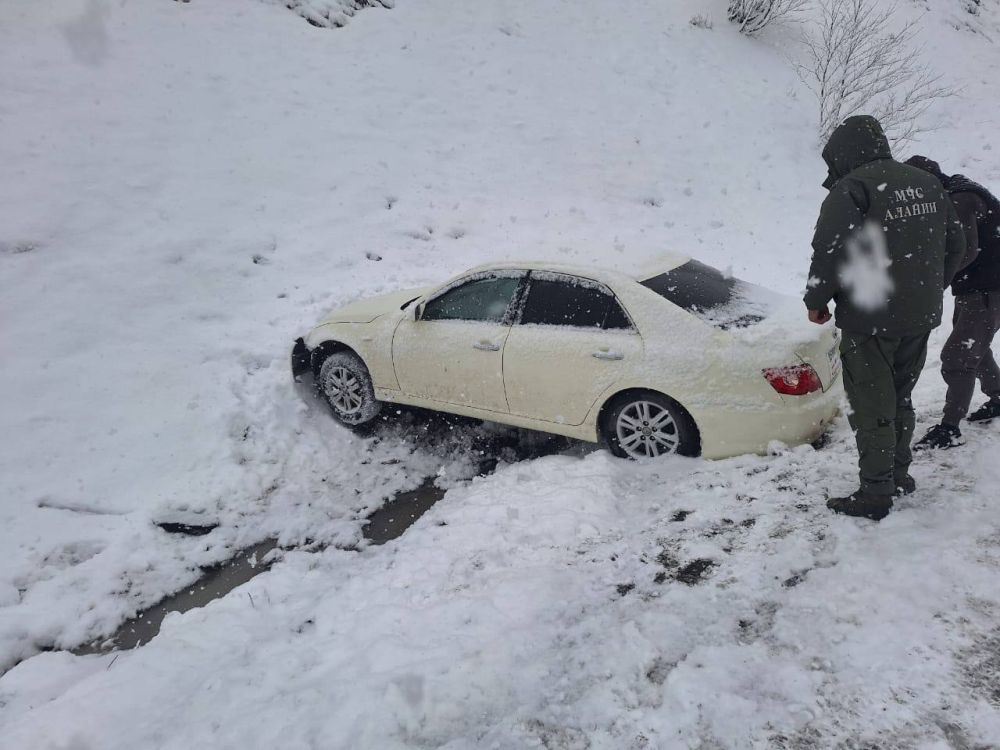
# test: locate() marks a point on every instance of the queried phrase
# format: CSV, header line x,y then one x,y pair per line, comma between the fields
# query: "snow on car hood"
x,y
367,309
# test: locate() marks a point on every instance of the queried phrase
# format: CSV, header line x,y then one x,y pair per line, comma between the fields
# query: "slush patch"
x,y
795,579
981,666
187,529
624,588
694,571
18,247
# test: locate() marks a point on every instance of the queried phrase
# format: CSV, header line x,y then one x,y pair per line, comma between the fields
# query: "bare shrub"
x,y
701,21
331,13
753,16
857,64
972,7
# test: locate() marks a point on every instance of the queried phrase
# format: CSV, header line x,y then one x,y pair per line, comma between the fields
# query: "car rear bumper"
x,y
799,420
301,360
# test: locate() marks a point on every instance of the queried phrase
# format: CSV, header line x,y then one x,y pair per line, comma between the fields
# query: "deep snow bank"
x,y
576,602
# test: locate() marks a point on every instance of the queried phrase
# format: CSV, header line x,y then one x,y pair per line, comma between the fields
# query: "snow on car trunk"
x,y
773,324
715,297
786,338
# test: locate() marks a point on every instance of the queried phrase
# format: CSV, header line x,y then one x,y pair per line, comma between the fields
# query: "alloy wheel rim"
x,y
343,388
647,430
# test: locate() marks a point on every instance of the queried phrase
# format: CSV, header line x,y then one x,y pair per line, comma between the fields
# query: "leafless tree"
x,y
857,63
753,16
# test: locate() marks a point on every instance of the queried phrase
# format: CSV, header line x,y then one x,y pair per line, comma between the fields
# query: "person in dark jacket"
x,y
968,355
887,244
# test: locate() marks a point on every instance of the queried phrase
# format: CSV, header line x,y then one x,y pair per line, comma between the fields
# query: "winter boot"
x,y
862,505
986,412
906,485
940,436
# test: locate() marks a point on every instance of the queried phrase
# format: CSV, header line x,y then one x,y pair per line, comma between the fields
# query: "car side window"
x,y
617,319
486,299
566,301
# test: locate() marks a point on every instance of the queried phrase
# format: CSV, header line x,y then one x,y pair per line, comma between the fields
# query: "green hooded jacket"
x,y
888,241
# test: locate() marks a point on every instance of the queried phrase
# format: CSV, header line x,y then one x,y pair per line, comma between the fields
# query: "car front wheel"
x,y
347,387
643,425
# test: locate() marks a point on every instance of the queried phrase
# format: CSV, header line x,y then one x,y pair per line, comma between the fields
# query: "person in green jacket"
x,y
887,244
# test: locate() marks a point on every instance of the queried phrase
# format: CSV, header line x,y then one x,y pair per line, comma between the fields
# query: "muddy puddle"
x,y
400,513
385,524
216,582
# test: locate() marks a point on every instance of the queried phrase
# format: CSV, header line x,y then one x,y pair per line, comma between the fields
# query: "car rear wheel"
x,y
347,387
644,425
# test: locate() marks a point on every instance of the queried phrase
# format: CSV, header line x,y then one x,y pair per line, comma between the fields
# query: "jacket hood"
x,y
855,142
928,165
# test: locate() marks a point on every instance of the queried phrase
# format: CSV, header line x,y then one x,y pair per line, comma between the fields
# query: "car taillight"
x,y
794,380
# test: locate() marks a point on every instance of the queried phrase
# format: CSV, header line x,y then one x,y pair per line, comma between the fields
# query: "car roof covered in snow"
x,y
659,264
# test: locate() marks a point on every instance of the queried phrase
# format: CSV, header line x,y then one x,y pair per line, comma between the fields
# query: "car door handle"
x,y
486,346
605,354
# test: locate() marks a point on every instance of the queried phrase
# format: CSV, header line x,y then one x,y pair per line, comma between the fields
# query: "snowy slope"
x,y
189,186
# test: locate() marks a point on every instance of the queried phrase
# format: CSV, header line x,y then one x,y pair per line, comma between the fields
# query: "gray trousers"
x,y
967,355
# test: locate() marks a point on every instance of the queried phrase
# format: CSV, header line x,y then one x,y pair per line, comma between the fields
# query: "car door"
x,y
451,350
571,342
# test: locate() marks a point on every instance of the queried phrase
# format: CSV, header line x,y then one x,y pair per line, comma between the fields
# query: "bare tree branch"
x,y
753,16
855,64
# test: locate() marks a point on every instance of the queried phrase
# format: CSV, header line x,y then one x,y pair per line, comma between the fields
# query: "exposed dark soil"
x,y
385,524
694,571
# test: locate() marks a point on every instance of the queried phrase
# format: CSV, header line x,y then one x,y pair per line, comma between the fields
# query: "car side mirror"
x,y
418,311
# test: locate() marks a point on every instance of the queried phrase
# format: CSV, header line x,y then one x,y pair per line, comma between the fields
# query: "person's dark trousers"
x,y
879,375
967,354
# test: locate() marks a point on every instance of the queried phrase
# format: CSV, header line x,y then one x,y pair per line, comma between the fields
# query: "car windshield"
x,y
707,293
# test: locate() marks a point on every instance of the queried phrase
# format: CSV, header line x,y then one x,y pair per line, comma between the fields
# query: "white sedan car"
x,y
680,358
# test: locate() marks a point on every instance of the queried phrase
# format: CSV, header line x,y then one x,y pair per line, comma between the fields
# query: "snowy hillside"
x,y
189,186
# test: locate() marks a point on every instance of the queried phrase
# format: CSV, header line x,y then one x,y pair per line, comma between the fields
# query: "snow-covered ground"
x,y
187,186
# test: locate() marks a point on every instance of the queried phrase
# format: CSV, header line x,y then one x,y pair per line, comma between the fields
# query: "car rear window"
x,y
711,295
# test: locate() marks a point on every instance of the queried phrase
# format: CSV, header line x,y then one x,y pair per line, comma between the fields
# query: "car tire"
x,y
646,425
347,387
